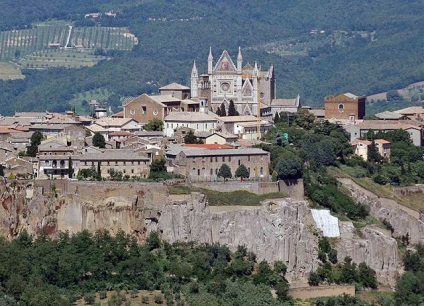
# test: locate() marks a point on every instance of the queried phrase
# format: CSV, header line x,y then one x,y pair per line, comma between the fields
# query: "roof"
x,y
285,102
317,112
165,98
118,115
189,101
120,133
112,154
229,119
366,142
31,114
254,124
189,117
58,127
96,128
107,121
382,141
149,133
386,125
190,151
411,110
389,115
213,146
350,95
174,86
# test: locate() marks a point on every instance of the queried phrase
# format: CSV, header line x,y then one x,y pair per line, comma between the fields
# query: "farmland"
x,y
9,72
16,44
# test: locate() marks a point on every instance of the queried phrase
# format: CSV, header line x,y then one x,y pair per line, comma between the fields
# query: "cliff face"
x,y
277,230
405,221
283,230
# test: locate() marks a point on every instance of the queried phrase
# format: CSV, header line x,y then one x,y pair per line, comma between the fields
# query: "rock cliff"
x,y
277,230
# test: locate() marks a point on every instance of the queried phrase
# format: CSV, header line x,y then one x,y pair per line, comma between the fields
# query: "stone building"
x,y
175,90
224,81
345,107
202,162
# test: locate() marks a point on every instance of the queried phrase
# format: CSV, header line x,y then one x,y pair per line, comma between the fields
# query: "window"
x,y
144,110
211,158
132,112
211,171
216,159
262,171
223,158
198,171
132,170
341,106
229,158
248,157
239,162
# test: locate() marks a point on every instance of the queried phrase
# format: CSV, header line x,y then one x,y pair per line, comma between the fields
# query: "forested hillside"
x,y
318,48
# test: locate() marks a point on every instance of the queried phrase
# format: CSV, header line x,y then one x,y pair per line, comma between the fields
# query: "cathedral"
x,y
247,86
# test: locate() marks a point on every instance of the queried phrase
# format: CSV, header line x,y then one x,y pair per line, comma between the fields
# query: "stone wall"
x,y
293,188
254,187
321,291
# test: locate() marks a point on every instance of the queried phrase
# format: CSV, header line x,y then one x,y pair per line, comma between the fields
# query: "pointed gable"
x,y
225,63
247,90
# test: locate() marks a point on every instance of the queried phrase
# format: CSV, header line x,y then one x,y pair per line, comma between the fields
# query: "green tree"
x,y
158,165
393,95
98,172
98,140
225,172
373,156
36,138
70,169
242,172
154,125
222,111
190,138
289,169
232,109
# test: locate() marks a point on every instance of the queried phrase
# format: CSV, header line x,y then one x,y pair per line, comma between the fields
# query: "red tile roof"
x,y
213,146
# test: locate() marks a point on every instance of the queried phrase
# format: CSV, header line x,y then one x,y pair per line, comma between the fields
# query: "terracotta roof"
x,y
120,133
190,151
165,98
106,121
246,118
411,110
174,86
382,141
118,115
213,146
389,115
367,142
386,125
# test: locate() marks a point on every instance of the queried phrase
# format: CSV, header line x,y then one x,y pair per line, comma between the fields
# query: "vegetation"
x,y
154,125
44,271
99,140
225,172
242,172
190,138
36,139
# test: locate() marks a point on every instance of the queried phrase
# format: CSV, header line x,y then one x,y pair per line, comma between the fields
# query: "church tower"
x,y
194,81
210,61
239,82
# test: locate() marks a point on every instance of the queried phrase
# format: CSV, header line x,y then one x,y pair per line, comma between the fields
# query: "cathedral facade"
x,y
248,87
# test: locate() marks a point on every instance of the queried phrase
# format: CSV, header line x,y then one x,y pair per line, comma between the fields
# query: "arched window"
x,y
341,106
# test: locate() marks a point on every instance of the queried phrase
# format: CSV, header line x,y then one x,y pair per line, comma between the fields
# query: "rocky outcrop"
x,y
277,230
377,249
405,221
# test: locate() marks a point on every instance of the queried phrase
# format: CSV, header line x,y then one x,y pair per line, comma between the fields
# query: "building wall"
x,y
180,94
342,107
206,168
131,168
205,126
143,109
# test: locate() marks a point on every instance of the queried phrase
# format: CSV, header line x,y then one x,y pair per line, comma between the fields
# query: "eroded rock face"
x,y
378,250
404,221
281,230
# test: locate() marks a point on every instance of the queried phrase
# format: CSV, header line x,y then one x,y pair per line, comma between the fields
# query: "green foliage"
x,y
232,109
158,165
289,169
372,154
99,140
154,125
380,179
190,138
225,172
87,174
36,138
115,175
242,171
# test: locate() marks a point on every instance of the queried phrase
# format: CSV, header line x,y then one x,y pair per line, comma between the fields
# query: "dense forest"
x,y
380,49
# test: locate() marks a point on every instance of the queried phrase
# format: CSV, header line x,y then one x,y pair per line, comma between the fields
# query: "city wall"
x,y
321,291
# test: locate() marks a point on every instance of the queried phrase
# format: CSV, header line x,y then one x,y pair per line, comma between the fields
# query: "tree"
x,y
99,172
225,172
393,95
242,172
98,140
154,125
70,169
276,118
222,111
158,165
36,138
232,109
289,169
190,138
373,156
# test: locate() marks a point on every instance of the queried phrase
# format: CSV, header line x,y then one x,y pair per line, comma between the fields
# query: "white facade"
x,y
200,122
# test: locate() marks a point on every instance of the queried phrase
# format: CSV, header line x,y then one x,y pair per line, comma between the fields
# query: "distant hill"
x,y
318,48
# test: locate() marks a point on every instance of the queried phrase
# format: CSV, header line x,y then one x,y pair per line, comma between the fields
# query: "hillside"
x,y
317,48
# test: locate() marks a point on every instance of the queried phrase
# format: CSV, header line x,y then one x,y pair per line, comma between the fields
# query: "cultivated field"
x,y
19,43
9,72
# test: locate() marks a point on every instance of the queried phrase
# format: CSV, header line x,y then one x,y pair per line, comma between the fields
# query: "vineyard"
x,y
20,43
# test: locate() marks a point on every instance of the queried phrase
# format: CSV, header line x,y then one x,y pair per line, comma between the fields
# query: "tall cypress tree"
x,y
223,112
232,109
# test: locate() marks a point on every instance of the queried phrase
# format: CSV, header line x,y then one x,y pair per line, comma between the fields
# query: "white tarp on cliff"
x,y
326,222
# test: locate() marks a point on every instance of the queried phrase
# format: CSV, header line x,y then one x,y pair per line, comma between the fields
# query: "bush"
x,y
380,179
158,299
90,298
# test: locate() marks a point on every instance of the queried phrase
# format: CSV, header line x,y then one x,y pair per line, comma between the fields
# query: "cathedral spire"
x,y
255,69
210,61
239,61
194,72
